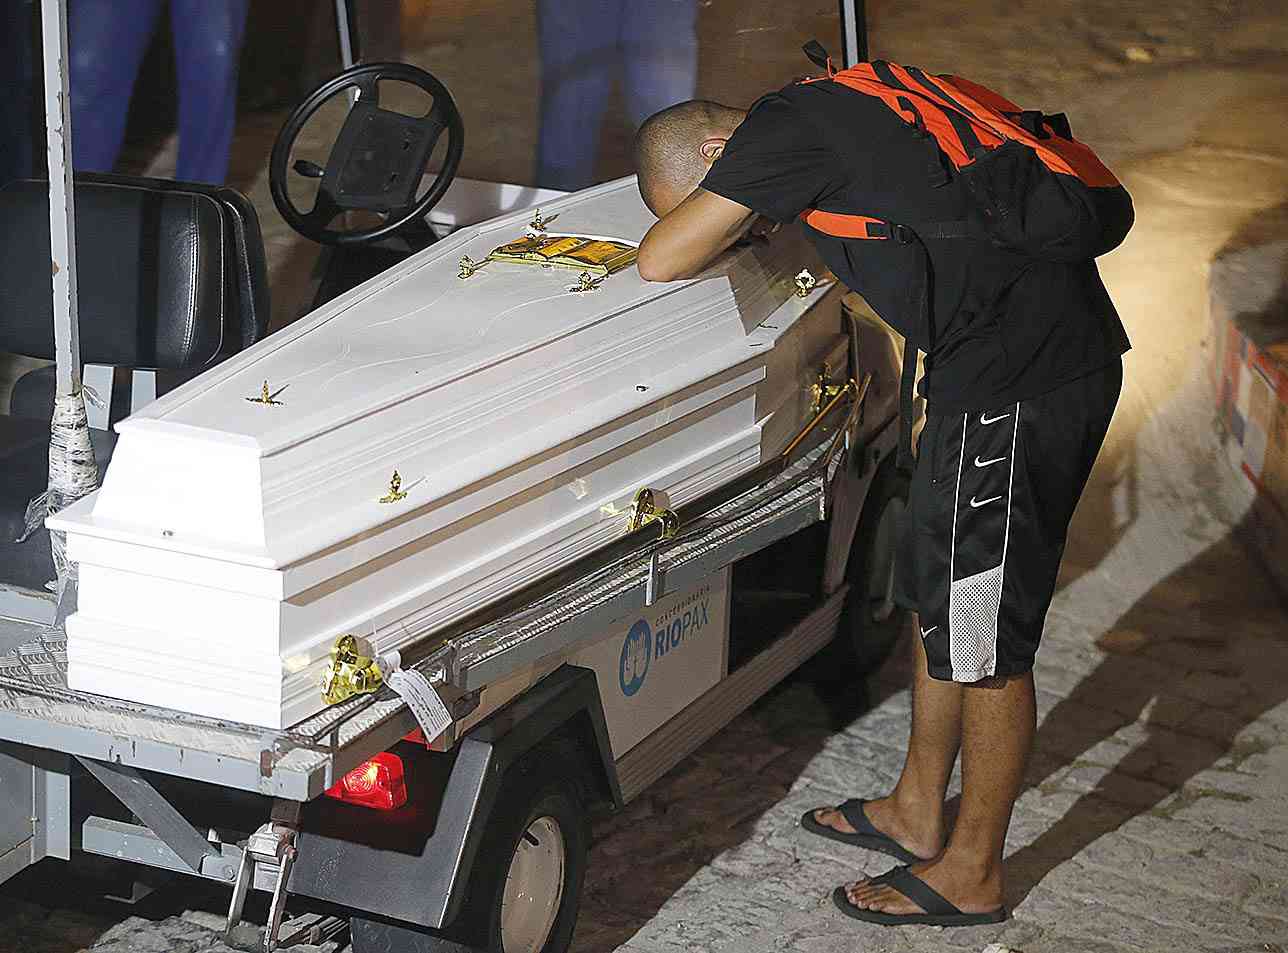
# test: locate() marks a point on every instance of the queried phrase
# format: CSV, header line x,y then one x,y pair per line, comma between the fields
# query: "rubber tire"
x,y
862,644
534,787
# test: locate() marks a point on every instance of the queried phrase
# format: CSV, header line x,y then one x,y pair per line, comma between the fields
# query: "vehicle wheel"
x,y
525,890
525,885
871,622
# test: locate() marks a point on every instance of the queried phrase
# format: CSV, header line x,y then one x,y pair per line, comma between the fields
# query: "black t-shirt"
x,y
1006,327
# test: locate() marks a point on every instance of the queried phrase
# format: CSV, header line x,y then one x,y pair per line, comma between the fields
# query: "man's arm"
x,y
687,238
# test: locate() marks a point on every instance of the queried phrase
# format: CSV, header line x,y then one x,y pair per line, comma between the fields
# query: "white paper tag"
x,y
423,700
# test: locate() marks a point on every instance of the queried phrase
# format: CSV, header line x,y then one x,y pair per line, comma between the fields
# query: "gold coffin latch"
x,y
645,510
353,671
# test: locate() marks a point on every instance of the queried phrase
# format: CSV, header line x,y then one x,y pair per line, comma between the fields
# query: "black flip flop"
x,y
867,836
938,911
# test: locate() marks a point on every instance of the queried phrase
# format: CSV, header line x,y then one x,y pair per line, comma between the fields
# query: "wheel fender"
x,y
426,888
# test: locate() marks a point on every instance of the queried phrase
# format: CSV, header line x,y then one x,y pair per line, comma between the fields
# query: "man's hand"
x,y
686,239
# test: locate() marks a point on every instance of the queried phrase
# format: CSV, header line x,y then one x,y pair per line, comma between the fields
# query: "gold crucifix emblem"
x,y
264,397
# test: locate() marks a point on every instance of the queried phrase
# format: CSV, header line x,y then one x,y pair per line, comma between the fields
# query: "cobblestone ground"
x,y
1156,812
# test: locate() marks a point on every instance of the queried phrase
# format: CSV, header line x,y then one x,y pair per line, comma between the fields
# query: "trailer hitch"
x,y
266,865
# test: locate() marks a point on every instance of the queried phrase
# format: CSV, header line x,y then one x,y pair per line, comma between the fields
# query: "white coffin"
x,y
232,542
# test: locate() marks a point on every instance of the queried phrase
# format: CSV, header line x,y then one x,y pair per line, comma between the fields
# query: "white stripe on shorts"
x,y
974,602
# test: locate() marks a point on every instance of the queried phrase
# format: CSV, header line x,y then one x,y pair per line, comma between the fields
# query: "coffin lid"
x,y
416,336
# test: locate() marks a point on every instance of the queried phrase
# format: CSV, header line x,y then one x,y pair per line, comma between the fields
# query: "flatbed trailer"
x,y
519,685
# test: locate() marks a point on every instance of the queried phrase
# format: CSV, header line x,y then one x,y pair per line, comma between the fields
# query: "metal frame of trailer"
x,y
121,744
37,709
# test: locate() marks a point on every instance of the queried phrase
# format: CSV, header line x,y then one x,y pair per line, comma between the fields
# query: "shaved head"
x,y
675,148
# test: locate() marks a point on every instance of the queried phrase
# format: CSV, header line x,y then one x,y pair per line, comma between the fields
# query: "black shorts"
x,y
987,517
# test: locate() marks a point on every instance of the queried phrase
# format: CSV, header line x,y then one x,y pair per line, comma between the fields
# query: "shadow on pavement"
x,y
1191,664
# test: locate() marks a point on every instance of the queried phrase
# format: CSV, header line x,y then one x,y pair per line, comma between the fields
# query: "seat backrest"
x,y
249,319
155,283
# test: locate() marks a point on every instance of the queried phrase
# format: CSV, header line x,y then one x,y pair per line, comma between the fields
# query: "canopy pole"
x,y
344,32
62,214
854,32
73,471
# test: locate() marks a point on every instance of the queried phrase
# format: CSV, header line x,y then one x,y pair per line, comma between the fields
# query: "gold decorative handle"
x,y
469,266
805,283
823,390
645,510
353,671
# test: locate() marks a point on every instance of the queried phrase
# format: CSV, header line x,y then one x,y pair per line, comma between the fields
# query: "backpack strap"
x,y
818,55
867,228
966,136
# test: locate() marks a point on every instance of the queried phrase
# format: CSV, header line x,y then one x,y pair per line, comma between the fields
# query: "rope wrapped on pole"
x,y
73,471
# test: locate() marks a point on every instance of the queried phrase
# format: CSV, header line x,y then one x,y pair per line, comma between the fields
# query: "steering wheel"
x,y
377,161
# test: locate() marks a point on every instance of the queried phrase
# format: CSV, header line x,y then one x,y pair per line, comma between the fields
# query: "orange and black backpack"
x,y
1035,190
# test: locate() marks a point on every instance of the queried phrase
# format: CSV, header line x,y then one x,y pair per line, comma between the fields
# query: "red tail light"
x,y
377,783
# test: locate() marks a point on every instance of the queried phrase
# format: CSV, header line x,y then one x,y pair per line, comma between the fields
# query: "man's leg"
x,y
579,64
107,40
208,38
659,44
913,813
999,717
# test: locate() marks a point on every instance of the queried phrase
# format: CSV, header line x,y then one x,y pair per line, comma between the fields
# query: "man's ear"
x,y
712,149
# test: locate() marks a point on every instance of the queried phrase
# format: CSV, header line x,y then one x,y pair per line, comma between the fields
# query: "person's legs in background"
x,y
579,63
106,43
17,76
659,44
207,51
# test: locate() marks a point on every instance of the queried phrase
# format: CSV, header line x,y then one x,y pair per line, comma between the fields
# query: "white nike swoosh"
x,y
926,632
986,420
987,463
977,503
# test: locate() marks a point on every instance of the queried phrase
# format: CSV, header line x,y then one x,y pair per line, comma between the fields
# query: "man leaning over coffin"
x,y
963,239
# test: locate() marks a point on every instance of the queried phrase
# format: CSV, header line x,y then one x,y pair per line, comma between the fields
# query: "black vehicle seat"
x,y
171,279
247,311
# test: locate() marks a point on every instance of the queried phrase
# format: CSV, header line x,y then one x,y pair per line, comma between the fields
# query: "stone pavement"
x,y
1156,815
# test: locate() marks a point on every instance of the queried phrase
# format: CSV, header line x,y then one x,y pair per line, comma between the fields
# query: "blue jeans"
x,y
18,65
652,45
108,39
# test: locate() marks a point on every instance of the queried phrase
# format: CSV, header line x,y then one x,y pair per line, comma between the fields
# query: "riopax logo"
x,y
637,652
668,632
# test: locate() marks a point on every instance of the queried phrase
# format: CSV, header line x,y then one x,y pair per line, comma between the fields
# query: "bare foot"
x,y
960,884
919,830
